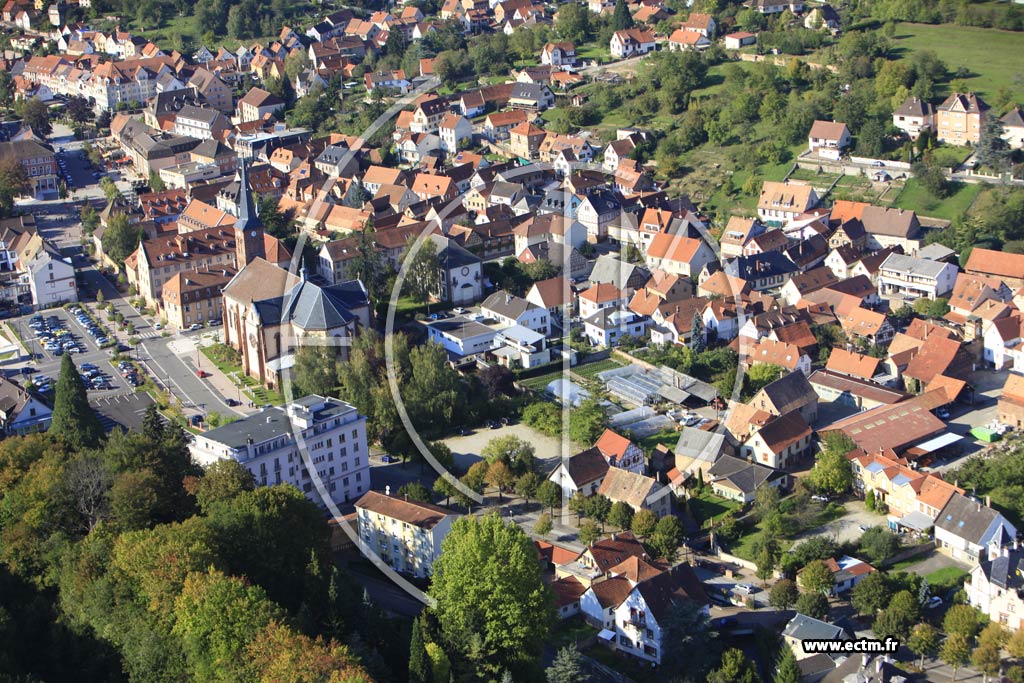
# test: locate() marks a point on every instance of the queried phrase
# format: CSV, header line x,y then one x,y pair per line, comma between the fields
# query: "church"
x,y
269,310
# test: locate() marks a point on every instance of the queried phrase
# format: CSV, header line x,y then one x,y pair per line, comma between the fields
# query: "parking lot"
x,y
122,410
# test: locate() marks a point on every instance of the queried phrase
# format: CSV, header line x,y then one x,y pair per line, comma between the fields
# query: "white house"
x,y
631,42
913,116
1000,339
608,326
829,138
583,471
509,309
406,534
461,275
461,336
520,347
969,530
913,278
558,54
633,612
21,412
456,132
996,588
51,278
1013,128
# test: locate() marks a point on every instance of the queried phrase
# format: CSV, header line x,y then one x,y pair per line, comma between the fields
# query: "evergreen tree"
x,y
566,667
153,424
788,671
74,421
621,19
419,668
698,338
992,149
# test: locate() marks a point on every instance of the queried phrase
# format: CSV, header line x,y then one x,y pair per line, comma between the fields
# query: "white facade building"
x,y
278,444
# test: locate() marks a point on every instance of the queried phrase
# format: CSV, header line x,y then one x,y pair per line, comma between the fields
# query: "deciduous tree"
x,y
924,641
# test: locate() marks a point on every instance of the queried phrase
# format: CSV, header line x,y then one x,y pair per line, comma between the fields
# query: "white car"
x,y
745,588
158,326
458,310
195,326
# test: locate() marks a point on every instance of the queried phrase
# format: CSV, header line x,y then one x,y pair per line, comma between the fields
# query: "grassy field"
x,y
668,437
916,198
591,370
993,57
942,580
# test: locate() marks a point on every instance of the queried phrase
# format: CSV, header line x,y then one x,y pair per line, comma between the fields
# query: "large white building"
x,y
330,433
406,534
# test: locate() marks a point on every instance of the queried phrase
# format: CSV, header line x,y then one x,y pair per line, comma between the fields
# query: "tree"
x,y
765,559
644,523
527,485
88,482
1015,645
572,23
832,472
736,667
871,139
938,308
598,507
222,481
440,665
962,619
416,491
692,653
14,182
588,421
784,594
931,177
488,587
986,659
621,515
924,641
549,495
418,663
899,616
955,652
992,149
542,527
813,605
667,537
109,188
567,668
621,18
121,237
994,634
79,110
315,371
788,670
511,450
872,594
36,115
499,476
698,335
878,544
589,532
817,578
422,277
74,421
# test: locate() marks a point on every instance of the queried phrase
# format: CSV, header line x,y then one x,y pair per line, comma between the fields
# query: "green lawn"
x,y
942,580
668,437
591,370
708,506
916,198
539,382
988,54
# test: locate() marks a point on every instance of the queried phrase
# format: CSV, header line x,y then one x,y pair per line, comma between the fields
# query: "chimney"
x,y
988,501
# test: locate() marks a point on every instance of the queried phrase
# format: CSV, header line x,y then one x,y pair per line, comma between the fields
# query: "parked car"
x,y
194,326
388,459
746,588
232,402
933,602
202,374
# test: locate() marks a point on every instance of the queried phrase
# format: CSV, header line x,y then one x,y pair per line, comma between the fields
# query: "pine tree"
x,y
153,424
788,671
419,667
74,421
697,334
621,19
566,667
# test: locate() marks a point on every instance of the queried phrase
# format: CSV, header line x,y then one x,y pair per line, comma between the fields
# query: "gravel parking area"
x,y
548,449
847,527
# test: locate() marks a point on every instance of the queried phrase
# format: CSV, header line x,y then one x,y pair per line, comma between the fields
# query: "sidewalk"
x,y
188,350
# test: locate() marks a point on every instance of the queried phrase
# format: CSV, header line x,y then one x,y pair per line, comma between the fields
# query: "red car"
x,y
202,374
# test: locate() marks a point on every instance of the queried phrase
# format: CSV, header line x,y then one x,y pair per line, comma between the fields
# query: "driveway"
x,y
988,386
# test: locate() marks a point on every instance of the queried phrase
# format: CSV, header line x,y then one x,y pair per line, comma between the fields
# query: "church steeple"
x,y
248,226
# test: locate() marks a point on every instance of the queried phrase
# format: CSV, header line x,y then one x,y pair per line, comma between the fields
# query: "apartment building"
x,y
406,534
316,444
